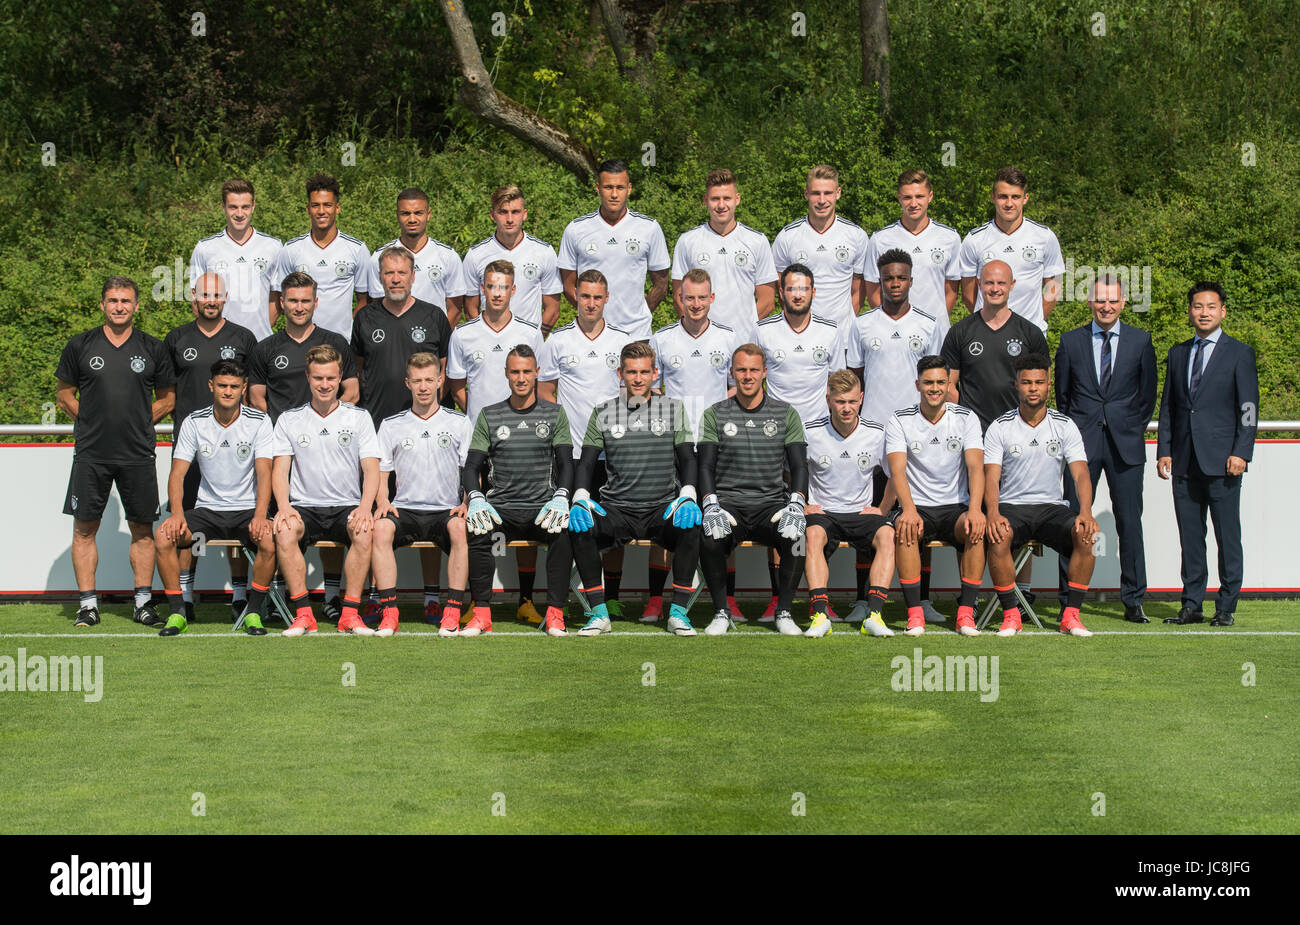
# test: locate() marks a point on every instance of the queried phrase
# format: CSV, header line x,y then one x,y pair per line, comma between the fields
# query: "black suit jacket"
x,y
1126,405
1221,420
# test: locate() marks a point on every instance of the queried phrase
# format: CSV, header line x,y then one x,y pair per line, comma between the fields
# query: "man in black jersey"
x,y
115,382
385,334
193,348
981,349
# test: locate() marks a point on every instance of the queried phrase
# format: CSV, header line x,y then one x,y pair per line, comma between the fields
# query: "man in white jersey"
x,y
738,258
476,378
829,244
934,248
1030,249
694,368
578,368
438,274
802,349
622,244
695,352
338,262
884,346
320,448
425,446
844,452
245,259
936,465
537,276
1025,451
232,446
476,356
801,346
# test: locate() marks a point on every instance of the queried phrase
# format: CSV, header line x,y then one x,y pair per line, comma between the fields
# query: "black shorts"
x,y
1050,524
421,526
622,524
90,482
517,523
754,524
324,523
940,523
220,525
858,529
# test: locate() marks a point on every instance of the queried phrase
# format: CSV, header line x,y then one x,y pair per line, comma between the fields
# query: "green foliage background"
x,y
1133,140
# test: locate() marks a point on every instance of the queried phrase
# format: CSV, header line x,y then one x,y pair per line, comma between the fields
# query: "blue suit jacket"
x,y
1221,420
1126,405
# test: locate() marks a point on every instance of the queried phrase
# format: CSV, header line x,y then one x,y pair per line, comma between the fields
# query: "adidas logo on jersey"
x,y
696,354
225,444
799,349
749,423
845,455
592,353
425,435
821,248
496,348
1034,442
612,241
722,250
241,260
522,426
1008,249
895,336
934,440
916,250
324,432
322,264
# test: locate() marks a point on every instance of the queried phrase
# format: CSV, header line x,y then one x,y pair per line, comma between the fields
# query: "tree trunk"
x,y
494,107
614,28
874,19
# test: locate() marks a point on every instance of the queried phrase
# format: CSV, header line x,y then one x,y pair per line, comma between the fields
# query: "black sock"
x,y
876,597
175,601
658,578
1007,597
911,592
820,600
612,582
595,596
968,591
388,598
526,579
682,595
239,588
1075,598
925,582
298,602
774,576
731,582
431,592
256,598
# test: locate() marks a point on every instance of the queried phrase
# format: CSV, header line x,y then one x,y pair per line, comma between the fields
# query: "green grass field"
x,y
518,732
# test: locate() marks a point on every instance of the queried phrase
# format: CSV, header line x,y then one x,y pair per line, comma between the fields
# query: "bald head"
x,y
996,283
209,297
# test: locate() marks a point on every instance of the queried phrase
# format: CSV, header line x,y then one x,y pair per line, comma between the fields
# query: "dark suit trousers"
x,y
1194,494
1125,484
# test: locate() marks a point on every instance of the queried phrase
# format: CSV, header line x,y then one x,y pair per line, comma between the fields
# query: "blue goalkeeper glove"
x,y
581,511
683,509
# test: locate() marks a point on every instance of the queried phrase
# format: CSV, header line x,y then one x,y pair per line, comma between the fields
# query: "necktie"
x,y
1105,360
1196,368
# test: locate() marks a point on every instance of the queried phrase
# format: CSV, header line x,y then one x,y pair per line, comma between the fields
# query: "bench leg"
x,y
1025,610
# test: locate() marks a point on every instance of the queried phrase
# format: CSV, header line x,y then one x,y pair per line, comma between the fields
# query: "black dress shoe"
x,y
1135,614
1222,619
1186,616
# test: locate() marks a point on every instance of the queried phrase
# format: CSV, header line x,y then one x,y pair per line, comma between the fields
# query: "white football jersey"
x,y
1032,252
327,453
834,256
585,369
477,354
841,469
437,273
625,252
225,456
340,268
1032,458
887,352
798,363
736,263
248,270
694,370
536,273
936,462
427,454
935,253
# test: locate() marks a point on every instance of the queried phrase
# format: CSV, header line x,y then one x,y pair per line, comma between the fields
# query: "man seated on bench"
x,y
936,459
424,446
844,452
320,448
746,442
1025,451
649,451
233,448
526,443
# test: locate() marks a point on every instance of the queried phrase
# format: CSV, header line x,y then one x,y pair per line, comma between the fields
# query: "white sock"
x,y
89,599
187,585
